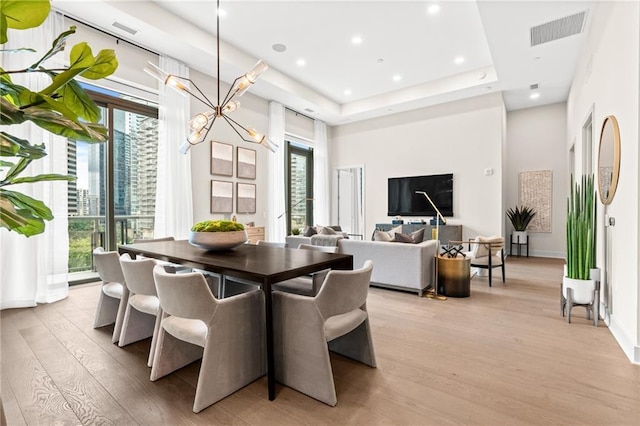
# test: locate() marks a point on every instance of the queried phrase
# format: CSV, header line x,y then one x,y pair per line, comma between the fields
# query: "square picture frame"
x,y
245,198
246,161
221,159
221,196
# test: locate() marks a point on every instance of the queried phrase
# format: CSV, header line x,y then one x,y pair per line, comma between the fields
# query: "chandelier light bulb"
x,y
260,67
242,85
195,136
255,135
185,147
231,106
269,144
199,121
166,79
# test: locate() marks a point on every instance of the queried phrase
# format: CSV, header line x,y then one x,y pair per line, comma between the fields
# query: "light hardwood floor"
x,y
504,356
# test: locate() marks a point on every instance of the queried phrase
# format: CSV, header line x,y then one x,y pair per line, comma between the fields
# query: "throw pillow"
x,y
379,235
418,236
399,237
325,230
336,228
309,231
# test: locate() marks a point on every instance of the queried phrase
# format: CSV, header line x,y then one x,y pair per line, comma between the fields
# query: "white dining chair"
x,y
306,328
112,292
228,334
272,244
142,312
306,285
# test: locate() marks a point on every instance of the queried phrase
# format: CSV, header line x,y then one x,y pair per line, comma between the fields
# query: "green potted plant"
x,y
62,108
295,231
520,218
217,234
579,285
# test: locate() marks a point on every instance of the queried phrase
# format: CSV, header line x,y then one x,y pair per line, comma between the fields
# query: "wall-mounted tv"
x,y
403,200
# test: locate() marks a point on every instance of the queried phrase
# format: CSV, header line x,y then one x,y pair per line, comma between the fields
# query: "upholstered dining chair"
x,y
487,253
308,285
107,264
228,334
306,328
177,268
142,313
272,244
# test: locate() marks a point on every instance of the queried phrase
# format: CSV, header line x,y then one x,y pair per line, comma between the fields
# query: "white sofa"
x,y
401,266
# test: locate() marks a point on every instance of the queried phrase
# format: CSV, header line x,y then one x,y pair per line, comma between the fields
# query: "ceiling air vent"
x,y
559,28
124,28
533,86
309,110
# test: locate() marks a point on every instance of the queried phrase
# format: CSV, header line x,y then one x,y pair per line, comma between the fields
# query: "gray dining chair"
x,y
228,334
177,268
307,285
272,244
306,328
112,291
142,313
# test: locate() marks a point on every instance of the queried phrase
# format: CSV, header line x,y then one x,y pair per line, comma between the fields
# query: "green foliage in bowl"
x,y
217,226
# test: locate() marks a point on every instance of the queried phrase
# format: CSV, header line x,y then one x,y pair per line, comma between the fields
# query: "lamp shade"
x,y
260,67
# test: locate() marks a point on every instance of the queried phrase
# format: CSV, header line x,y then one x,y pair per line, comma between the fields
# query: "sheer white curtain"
x,y
277,228
320,174
174,202
34,270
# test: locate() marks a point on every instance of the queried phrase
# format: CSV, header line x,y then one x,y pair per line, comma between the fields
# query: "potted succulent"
x,y
217,234
520,218
579,285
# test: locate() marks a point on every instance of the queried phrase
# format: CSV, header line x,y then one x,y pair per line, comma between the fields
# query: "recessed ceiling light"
x,y
347,92
301,62
356,40
433,9
222,13
534,95
380,60
397,77
459,60
279,47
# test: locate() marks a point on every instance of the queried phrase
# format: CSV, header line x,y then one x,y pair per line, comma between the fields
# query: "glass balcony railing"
x,y
88,232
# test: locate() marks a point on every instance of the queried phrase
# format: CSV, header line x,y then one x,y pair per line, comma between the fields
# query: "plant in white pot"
x,y
580,283
520,218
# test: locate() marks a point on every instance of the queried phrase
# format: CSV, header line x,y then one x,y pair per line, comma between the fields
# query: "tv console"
x,y
447,232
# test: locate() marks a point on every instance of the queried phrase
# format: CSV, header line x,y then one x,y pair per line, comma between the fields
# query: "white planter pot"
x,y
519,237
583,290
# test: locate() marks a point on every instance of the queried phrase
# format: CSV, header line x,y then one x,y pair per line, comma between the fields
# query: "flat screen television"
x,y
403,200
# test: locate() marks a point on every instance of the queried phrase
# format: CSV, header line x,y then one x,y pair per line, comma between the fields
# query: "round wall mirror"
x,y
608,159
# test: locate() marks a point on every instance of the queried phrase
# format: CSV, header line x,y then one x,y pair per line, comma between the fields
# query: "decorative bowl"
x,y
218,240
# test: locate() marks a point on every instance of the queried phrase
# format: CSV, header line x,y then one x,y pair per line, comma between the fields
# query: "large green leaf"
x,y
9,113
105,64
62,126
11,146
42,178
23,214
77,100
22,14
80,59
57,46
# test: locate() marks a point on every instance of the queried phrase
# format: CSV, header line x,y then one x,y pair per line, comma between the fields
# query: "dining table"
x,y
263,265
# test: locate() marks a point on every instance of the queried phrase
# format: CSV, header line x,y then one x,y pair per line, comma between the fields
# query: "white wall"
x,y
607,78
253,113
463,137
536,140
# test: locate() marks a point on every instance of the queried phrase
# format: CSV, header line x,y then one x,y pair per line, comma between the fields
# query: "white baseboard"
x,y
626,343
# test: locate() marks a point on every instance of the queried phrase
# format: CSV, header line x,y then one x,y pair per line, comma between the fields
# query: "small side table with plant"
x,y
520,218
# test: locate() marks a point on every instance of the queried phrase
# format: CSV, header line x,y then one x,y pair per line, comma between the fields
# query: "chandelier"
x,y
201,123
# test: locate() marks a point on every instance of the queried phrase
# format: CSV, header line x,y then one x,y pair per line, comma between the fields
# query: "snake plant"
x,y
520,217
62,108
581,237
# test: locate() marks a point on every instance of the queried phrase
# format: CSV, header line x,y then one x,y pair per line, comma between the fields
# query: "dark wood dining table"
x,y
261,264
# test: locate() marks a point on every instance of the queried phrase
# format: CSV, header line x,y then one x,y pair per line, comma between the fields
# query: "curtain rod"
x,y
118,38
299,113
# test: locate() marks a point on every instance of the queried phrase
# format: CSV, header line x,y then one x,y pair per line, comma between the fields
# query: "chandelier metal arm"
x,y
232,123
228,98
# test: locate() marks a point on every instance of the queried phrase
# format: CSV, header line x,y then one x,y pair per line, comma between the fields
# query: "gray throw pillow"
x,y
381,236
399,237
309,231
325,230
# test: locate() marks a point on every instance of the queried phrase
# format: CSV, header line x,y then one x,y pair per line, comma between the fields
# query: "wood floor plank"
x,y
504,356
35,391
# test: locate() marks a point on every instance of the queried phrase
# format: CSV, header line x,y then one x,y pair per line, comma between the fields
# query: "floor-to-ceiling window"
x,y
299,194
112,200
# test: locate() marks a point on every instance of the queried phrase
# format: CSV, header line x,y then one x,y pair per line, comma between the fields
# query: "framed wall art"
x,y
246,198
221,196
221,159
246,163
